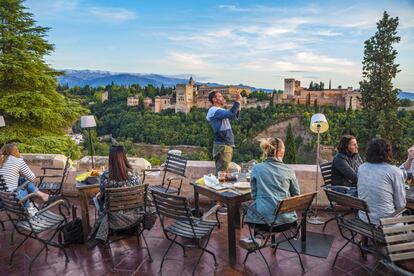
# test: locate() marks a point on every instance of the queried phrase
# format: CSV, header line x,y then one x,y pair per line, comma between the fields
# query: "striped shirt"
x,y
12,169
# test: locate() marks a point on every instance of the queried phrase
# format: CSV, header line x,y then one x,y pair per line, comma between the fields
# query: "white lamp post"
x,y
318,125
89,122
2,122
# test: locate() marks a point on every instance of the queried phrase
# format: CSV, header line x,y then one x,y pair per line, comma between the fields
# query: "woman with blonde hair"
x,y
272,181
12,167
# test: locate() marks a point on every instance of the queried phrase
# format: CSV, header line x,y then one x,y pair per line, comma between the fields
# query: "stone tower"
x,y
289,87
185,96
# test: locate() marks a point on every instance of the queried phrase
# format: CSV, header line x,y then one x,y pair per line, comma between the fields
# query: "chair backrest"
x,y
326,171
347,201
399,236
125,198
171,206
175,164
3,186
12,205
65,170
295,203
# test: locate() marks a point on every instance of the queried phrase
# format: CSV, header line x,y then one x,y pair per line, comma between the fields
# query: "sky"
x,y
257,43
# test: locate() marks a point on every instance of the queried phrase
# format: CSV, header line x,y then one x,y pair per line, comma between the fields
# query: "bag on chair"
x,y
72,231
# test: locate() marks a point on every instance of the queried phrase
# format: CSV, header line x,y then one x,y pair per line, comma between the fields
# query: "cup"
x,y
222,176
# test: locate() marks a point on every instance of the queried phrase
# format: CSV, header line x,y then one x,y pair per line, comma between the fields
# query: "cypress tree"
x,y
379,97
290,147
36,114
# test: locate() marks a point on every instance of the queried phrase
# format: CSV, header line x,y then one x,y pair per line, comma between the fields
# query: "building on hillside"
x,y
148,102
105,96
162,103
133,101
293,92
191,95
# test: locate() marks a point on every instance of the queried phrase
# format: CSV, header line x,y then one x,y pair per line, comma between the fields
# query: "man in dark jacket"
x,y
345,164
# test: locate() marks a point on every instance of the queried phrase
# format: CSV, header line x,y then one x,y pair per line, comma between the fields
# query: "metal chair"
x,y
3,187
268,229
326,171
354,225
35,226
399,238
126,199
176,221
175,165
54,188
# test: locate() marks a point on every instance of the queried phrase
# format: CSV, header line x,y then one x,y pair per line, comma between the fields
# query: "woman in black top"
x,y
345,164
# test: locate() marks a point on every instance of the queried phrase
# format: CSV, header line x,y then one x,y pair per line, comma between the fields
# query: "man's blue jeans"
x,y
22,192
353,191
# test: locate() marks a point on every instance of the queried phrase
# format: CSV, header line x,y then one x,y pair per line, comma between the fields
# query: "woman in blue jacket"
x,y
271,182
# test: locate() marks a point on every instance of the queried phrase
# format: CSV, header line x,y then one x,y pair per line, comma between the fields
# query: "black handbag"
x,y
149,220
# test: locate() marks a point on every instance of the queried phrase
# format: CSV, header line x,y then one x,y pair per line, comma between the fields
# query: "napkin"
x,y
211,181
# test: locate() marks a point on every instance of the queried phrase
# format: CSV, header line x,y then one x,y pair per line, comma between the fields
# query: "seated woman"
x,y
345,165
12,167
272,181
408,165
119,174
380,184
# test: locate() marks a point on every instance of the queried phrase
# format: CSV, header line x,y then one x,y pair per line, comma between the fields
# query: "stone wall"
x,y
306,174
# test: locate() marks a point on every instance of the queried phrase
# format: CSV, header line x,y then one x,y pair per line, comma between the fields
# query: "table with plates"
x,y
232,198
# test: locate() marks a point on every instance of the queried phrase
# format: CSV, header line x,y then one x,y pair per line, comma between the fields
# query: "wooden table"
x,y
232,199
410,198
85,192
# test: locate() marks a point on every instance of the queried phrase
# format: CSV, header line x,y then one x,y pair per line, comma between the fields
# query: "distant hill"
x,y
406,95
103,78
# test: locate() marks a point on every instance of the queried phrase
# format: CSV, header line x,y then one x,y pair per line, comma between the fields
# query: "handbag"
x,y
149,220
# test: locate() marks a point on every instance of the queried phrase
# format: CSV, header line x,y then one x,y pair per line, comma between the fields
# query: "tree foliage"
x,y
290,147
36,114
379,97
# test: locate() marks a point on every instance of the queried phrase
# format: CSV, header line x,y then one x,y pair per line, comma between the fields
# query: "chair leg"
x,y
14,251
247,255
294,248
165,254
35,257
337,253
267,264
218,221
204,249
2,225
276,246
326,223
141,233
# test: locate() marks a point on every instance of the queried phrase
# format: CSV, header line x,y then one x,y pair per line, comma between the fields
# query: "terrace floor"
x,y
129,260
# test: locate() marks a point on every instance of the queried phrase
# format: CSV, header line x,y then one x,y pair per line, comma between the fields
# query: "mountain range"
x,y
102,78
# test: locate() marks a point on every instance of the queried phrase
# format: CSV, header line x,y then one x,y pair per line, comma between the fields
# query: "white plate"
x,y
242,185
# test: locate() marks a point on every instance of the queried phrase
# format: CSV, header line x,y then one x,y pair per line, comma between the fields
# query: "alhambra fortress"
x,y
196,95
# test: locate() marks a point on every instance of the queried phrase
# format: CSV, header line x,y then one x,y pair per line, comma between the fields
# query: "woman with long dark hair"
x,y
380,184
119,174
345,165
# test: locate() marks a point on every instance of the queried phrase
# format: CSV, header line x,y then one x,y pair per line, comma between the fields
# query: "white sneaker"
x,y
31,210
249,243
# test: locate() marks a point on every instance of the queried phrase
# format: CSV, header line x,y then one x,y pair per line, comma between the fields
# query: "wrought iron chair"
x,y
326,171
126,199
268,229
3,187
34,227
54,187
176,221
399,238
175,165
354,225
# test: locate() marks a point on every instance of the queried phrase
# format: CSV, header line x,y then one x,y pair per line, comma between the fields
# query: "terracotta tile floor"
x,y
131,260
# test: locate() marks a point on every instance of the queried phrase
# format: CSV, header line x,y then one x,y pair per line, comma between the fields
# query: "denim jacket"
x,y
272,181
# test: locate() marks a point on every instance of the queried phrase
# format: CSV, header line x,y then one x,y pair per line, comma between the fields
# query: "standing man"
x,y
219,119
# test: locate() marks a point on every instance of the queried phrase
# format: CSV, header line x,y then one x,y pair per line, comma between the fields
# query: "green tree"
x,y
379,97
36,114
311,86
290,147
330,85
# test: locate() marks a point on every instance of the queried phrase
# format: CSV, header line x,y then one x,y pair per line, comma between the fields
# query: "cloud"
x,y
187,61
112,15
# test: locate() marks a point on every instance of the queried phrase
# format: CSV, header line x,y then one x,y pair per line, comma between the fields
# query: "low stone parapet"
x,y
306,174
